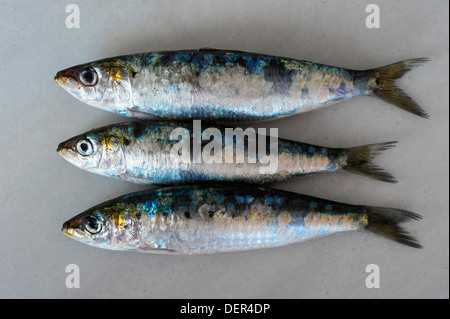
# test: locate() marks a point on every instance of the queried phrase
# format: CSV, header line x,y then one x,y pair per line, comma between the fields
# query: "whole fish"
x,y
226,86
204,220
147,152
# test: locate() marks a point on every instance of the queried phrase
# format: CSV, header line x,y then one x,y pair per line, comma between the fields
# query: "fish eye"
x,y
92,224
88,77
84,147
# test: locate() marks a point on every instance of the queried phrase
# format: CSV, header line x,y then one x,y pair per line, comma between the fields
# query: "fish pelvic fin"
x,y
386,89
384,222
359,161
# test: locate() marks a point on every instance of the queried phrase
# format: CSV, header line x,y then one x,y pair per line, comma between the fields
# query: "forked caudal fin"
x,y
387,90
359,161
384,222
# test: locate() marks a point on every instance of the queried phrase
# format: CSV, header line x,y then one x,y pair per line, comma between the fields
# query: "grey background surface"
x,y
39,190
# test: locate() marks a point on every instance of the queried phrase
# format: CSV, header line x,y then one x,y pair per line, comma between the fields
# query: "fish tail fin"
x,y
386,89
384,222
359,161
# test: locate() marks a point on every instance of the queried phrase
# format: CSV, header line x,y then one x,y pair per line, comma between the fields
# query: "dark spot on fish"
x,y
280,77
133,73
246,62
182,200
126,142
241,62
305,91
197,59
219,60
139,129
211,214
165,59
340,92
187,214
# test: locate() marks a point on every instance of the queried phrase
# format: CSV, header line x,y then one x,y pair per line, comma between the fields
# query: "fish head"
x,y
97,152
89,227
110,226
104,84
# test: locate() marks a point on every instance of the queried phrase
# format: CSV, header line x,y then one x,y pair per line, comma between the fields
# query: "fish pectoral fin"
x,y
153,250
133,112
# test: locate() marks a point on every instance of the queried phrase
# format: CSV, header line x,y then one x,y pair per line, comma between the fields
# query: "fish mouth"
x,y
67,230
65,78
66,151
61,78
72,228
62,147
66,146
61,74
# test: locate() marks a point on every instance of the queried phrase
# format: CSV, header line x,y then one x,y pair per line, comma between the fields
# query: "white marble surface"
x,y
39,190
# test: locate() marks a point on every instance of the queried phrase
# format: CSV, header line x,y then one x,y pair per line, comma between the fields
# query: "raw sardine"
x,y
148,153
203,220
226,86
